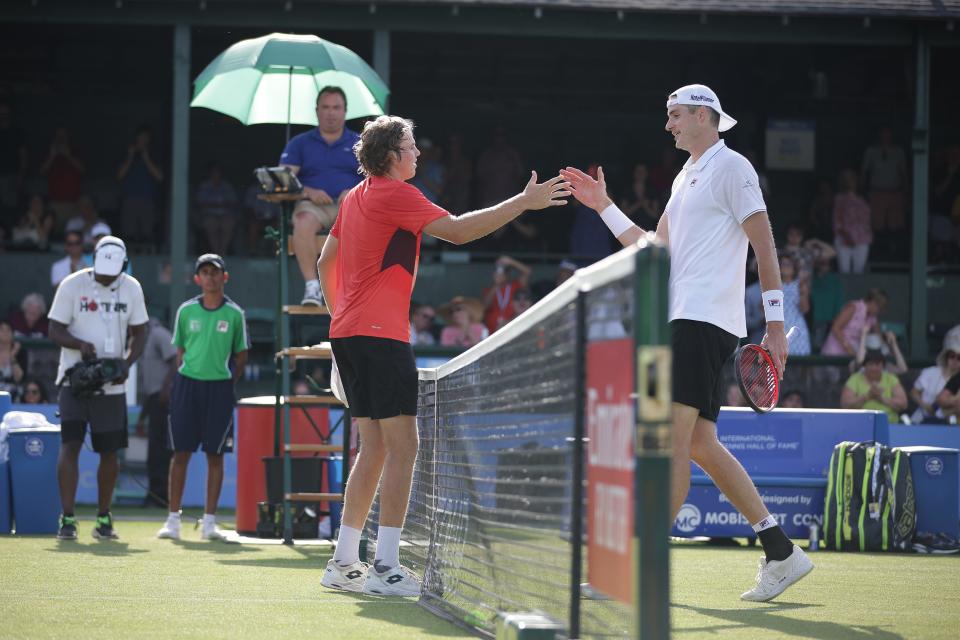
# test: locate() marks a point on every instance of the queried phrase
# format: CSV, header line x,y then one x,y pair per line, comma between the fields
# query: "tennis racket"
x,y
757,376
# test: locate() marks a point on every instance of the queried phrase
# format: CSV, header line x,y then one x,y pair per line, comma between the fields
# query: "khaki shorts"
x,y
325,213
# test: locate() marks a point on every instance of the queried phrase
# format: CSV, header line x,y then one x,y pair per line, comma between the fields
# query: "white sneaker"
x,y
312,297
774,577
395,581
170,530
213,533
348,578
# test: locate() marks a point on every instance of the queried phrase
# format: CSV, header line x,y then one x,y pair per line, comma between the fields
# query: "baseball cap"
x,y
109,256
100,229
210,258
700,95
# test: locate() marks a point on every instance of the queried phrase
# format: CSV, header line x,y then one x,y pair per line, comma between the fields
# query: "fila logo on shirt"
x,y
693,182
223,326
91,305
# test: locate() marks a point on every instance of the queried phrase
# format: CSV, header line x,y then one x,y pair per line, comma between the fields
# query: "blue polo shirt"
x,y
331,167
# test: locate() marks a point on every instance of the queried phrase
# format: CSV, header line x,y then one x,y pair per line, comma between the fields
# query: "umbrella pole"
x,y
289,99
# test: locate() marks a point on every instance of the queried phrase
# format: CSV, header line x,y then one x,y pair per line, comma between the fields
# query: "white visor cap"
x,y
109,256
700,95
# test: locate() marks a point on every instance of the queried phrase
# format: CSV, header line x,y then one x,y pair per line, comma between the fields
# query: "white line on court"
x,y
321,599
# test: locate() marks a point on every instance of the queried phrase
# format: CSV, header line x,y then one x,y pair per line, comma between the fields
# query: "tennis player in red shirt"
x,y
367,271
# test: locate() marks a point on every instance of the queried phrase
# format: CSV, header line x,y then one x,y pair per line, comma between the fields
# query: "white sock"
x,y
173,518
348,546
209,521
388,546
767,522
313,284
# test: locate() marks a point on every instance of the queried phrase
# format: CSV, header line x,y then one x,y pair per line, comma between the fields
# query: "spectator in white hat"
x,y
716,209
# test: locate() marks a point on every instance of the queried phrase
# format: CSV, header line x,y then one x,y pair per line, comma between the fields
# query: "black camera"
x,y
278,180
88,377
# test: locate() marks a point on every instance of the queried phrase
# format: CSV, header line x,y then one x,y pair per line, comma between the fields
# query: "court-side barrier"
x,y
787,453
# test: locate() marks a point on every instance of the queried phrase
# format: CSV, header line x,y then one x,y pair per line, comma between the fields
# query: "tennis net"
x,y
500,506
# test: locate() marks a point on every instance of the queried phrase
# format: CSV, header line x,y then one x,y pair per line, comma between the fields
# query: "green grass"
x,y
148,588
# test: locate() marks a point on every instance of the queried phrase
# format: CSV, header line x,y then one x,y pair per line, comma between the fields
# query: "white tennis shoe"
x,y
348,578
395,581
774,577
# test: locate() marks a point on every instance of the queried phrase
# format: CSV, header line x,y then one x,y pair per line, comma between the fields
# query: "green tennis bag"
x,y
869,505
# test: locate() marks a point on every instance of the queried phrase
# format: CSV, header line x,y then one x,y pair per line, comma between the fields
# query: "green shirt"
x,y
861,386
209,337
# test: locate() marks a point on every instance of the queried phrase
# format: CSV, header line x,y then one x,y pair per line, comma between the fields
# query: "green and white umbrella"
x,y
276,78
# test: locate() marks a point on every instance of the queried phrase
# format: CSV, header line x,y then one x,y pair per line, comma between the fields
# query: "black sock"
x,y
103,514
776,544
68,515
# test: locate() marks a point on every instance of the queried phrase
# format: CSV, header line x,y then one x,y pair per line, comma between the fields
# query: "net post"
x,y
579,432
651,546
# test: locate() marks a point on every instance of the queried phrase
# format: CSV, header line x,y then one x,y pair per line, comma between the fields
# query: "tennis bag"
x,y
870,504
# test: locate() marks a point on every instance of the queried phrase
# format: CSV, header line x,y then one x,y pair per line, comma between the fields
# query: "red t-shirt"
x,y
500,310
379,228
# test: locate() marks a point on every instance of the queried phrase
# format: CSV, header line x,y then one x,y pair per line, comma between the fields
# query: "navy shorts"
x,y
201,413
379,376
700,350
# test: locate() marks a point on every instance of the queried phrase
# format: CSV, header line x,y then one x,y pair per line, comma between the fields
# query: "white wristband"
x,y
615,220
773,305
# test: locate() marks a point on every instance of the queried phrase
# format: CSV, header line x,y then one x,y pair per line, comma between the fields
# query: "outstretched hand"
x,y
589,192
545,194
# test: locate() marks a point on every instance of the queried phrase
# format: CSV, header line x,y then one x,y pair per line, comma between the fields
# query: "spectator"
x,y
86,221
64,172
13,161
499,173
216,204
30,320
260,214
421,324
458,174
851,226
949,398
300,387
565,271
793,399
805,252
33,230
509,275
944,202
884,175
734,397
848,326
642,209
71,262
931,382
12,362
324,161
796,303
874,389
140,177
33,392
429,178
826,298
464,328
886,344
820,214
662,175
158,366
521,301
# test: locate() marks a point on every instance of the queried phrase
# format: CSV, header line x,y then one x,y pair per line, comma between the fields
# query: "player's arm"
x,y
239,363
593,193
476,224
760,235
180,353
327,271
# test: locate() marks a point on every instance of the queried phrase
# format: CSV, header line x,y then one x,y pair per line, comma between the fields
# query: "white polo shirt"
x,y
709,201
99,315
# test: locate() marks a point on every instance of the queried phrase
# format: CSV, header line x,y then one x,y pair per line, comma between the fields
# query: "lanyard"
x,y
504,297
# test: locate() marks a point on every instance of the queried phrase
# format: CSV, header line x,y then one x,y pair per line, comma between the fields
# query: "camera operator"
x,y
90,317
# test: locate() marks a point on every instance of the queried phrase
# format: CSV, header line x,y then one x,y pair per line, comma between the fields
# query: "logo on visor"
x,y
701,98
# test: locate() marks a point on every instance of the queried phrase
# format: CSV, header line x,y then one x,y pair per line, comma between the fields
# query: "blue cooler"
x,y
6,504
33,475
936,484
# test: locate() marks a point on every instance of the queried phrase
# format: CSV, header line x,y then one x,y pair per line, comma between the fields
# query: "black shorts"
x,y
201,413
106,415
700,350
379,376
